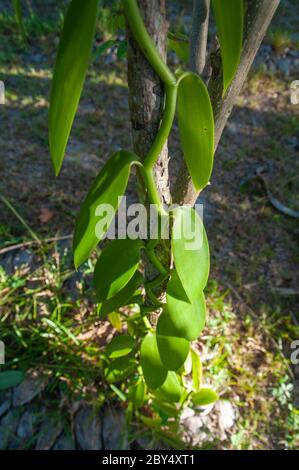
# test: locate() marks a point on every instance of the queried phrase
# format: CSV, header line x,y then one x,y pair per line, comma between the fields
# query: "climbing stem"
x,y
153,195
165,127
145,42
156,262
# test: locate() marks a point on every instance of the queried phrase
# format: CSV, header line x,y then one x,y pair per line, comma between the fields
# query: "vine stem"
x,y
145,42
165,127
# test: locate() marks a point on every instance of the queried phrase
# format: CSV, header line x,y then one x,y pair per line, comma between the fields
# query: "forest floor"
x,y
48,320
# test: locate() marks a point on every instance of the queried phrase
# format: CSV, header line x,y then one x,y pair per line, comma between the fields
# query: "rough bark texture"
x,y
199,35
146,99
258,17
146,95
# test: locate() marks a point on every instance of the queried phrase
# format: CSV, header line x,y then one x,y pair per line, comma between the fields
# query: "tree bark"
x,y
258,17
146,95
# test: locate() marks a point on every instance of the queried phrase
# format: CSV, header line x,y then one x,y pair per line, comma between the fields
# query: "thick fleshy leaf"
x,y
116,266
120,369
188,318
120,346
154,371
205,396
190,250
196,126
123,297
229,20
11,378
104,194
171,389
173,349
137,394
115,320
69,74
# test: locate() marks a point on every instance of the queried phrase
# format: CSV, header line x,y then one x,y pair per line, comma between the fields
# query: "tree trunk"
x,y
146,95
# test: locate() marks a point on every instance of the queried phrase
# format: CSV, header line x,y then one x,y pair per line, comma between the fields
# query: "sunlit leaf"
x,y
69,74
229,20
171,389
120,346
190,250
173,350
11,378
153,370
188,318
107,190
123,297
115,320
196,126
205,396
116,266
196,370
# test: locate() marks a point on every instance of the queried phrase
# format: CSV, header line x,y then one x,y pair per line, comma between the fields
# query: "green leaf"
x,y
115,320
179,43
171,389
173,350
229,20
107,189
116,266
103,48
188,318
153,370
196,126
165,408
69,74
120,346
137,394
190,250
19,16
205,396
11,378
123,297
120,369
196,370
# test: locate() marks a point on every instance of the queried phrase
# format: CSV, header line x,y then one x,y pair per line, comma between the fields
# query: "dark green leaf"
x,y
188,318
190,250
103,48
137,394
204,397
69,74
171,389
11,378
122,49
116,266
123,297
153,370
120,346
229,20
196,126
107,189
120,369
173,350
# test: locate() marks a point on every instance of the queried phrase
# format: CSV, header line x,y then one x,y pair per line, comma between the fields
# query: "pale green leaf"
x,y
205,396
